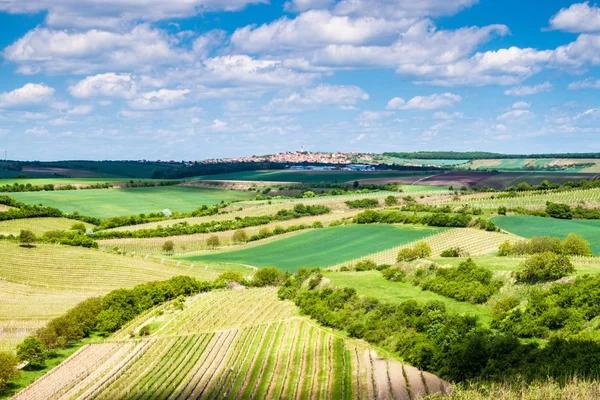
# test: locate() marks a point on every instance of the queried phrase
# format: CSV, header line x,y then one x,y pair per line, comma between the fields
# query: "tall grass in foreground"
x,y
549,390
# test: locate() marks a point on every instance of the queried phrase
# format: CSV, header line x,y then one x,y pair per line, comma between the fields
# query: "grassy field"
x,y
536,226
304,176
67,181
105,203
373,284
37,225
280,356
322,247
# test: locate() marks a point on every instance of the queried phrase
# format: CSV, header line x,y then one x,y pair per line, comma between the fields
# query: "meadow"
x,y
321,247
528,227
106,203
38,226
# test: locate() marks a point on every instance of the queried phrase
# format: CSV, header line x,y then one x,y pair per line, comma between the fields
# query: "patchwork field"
x,y
536,226
306,176
322,247
105,203
573,164
37,225
278,357
45,281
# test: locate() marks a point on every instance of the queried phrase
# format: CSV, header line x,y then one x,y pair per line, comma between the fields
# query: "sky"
x,y
197,79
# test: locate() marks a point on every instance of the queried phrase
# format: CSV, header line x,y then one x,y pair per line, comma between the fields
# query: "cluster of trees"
x,y
455,220
363,203
572,245
466,282
419,250
563,309
546,266
116,222
105,315
267,276
300,210
454,347
28,187
454,252
21,210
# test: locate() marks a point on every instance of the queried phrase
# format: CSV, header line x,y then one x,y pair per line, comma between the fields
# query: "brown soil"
x,y
457,179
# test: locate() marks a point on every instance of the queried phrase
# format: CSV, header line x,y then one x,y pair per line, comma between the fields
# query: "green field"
x,y
373,284
322,247
305,176
68,181
537,226
105,203
38,226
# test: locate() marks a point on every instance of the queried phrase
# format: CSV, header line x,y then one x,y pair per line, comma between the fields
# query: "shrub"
x,y
406,254
8,369
572,245
382,267
168,247
365,265
239,236
363,203
267,276
422,250
452,252
317,224
231,276
561,211
502,210
505,249
419,250
575,245
544,267
391,201
395,274
79,227
32,351
213,241
26,238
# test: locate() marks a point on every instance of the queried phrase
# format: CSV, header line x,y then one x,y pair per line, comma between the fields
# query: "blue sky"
x,y
196,79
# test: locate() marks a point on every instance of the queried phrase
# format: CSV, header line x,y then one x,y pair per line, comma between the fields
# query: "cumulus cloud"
x,y
29,94
321,95
304,5
82,109
401,8
431,102
37,131
528,90
589,83
578,18
104,85
159,100
515,115
447,116
521,105
63,51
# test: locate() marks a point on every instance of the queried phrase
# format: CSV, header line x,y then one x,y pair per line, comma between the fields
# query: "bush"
x,y
239,236
8,369
26,238
32,351
406,254
394,274
168,247
561,211
231,276
391,201
363,203
382,267
452,252
572,245
267,276
317,224
365,265
213,241
544,267
575,245
79,227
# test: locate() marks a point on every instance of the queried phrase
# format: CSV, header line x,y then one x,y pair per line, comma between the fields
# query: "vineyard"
x,y
472,241
322,247
275,357
38,226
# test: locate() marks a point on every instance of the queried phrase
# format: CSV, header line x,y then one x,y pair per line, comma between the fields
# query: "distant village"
x,y
297,157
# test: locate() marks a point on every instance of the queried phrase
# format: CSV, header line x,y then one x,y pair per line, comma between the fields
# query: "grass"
x,y
423,188
322,247
373,284
38,226
105,203
68,181
303,176
528,227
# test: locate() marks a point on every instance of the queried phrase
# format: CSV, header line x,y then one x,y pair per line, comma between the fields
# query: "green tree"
x,y
561,211
8,368
239,236
544,267
26,238
422,250
213,241
365,265
575,245
168,247
79,227
32,351
231,276
267,276
406,254
317,224
308,194
505,249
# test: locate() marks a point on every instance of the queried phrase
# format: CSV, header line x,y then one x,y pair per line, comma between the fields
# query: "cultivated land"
x,y
308,176
244,353
322,247
535,226
38,226
105,203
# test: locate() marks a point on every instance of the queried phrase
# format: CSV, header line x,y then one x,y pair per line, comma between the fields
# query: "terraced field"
x,y
472,241
106,203
277,357
37,284
38,226
322,247
536,226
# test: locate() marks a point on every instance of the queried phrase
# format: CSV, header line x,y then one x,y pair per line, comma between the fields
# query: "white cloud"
x,y
431,102
373,115
207,42
578,18
60,51
521,105
529,90
402,8
29,94
321,95
446,116
589,83
104,85
585,50
218,124
515,116
112,13
159,100
37,131
82,109
35,115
